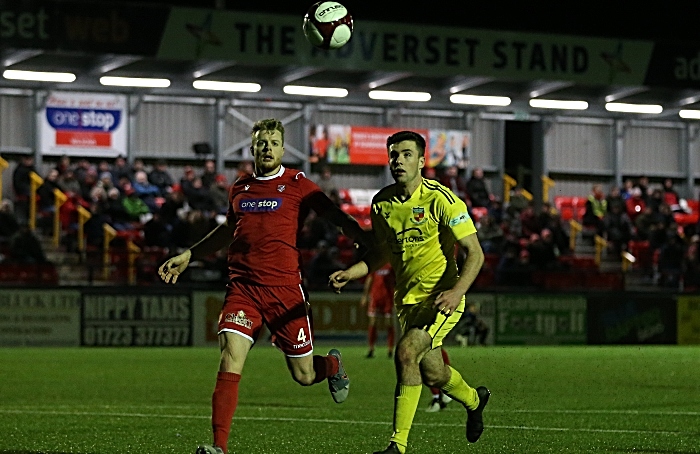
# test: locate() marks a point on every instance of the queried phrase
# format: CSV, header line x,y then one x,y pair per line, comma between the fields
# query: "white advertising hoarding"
x,y
83,124
39,317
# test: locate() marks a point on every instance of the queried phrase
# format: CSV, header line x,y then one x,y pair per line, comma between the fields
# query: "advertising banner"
x,y
632,319
112,318
39,317
540,319
205,321
366,145
83,124
688,319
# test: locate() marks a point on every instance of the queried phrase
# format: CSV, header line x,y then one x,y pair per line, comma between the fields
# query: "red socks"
x,y
223,404
325,366
372,336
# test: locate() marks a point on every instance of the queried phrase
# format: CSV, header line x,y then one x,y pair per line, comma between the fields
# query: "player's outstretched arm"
x,y
338,279
215,240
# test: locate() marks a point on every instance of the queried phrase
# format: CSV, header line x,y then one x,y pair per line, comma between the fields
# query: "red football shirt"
x,y
268,213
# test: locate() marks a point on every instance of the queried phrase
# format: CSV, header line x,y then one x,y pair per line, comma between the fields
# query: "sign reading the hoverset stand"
x,y
39,317
118,319
540,319
83,124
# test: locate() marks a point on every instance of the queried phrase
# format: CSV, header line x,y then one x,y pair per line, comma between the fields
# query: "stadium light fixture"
x,y
689,114
633,108
558,104
416,96
480,100
315,91
140,82
226,86
38,76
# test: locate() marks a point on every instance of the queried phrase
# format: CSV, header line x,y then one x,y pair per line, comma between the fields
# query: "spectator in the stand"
x,y
326,181
134,206
476,189
542,253
529,223
454,181
496,210
643,185
145,190
514,268
644,223
615,198
9,224
82,167
635,203
671,261
617,229
199,197
245,169
68,183
219,192
63,165
490,235
559,235
88,181
670,195
596,207
656,198
518,201
174,202
105,181
115,211
160,177
187,181
121,170
21,186
102,167
546,213
156,232
209,174
323,264
137,166
627,187
25,247
45,192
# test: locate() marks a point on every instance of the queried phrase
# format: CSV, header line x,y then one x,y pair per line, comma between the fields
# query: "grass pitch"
x,y
544,400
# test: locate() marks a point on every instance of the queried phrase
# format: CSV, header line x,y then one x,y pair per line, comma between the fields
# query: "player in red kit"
x,y
378,296
266,212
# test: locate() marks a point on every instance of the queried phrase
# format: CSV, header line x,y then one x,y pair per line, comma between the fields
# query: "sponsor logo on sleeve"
x,y
259,205
459,219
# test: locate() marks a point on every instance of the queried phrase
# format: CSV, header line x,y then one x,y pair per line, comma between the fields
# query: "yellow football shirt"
x,y
418,236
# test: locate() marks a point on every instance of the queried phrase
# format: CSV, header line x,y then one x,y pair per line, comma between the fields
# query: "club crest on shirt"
x,y
281,187
418,215
246,187
239,319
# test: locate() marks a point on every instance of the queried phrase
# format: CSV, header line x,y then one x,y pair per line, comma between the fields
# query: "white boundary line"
x,y
337,421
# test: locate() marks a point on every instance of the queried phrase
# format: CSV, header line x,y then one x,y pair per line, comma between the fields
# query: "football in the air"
x,y
328,25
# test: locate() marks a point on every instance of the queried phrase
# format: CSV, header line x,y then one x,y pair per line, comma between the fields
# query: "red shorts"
x,y
284,310
381,306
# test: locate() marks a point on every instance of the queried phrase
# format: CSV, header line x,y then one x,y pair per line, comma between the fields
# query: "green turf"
x,y
544,400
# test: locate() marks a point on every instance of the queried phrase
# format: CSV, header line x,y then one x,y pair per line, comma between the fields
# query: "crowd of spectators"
x,y
517,238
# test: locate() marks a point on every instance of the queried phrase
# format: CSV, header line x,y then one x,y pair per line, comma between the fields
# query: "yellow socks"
x,y
460,391
405,405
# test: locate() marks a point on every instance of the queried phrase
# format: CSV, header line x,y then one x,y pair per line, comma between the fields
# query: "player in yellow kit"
x,y
416,223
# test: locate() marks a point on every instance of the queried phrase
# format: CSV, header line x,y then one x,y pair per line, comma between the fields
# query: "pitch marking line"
x,y
339,421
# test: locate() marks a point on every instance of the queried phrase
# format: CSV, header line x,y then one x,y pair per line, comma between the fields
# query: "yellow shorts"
x,y
427,317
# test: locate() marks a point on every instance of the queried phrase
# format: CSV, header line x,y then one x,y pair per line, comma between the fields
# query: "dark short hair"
x,y
268,124
407,135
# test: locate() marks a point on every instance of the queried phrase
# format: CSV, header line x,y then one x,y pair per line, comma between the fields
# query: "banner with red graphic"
x,y
346,144
83,124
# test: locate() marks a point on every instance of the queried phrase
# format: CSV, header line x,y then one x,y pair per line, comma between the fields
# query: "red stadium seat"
x,y
479,212
567,213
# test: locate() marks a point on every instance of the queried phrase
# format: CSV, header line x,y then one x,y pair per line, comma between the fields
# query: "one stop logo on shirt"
x,y
257,205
